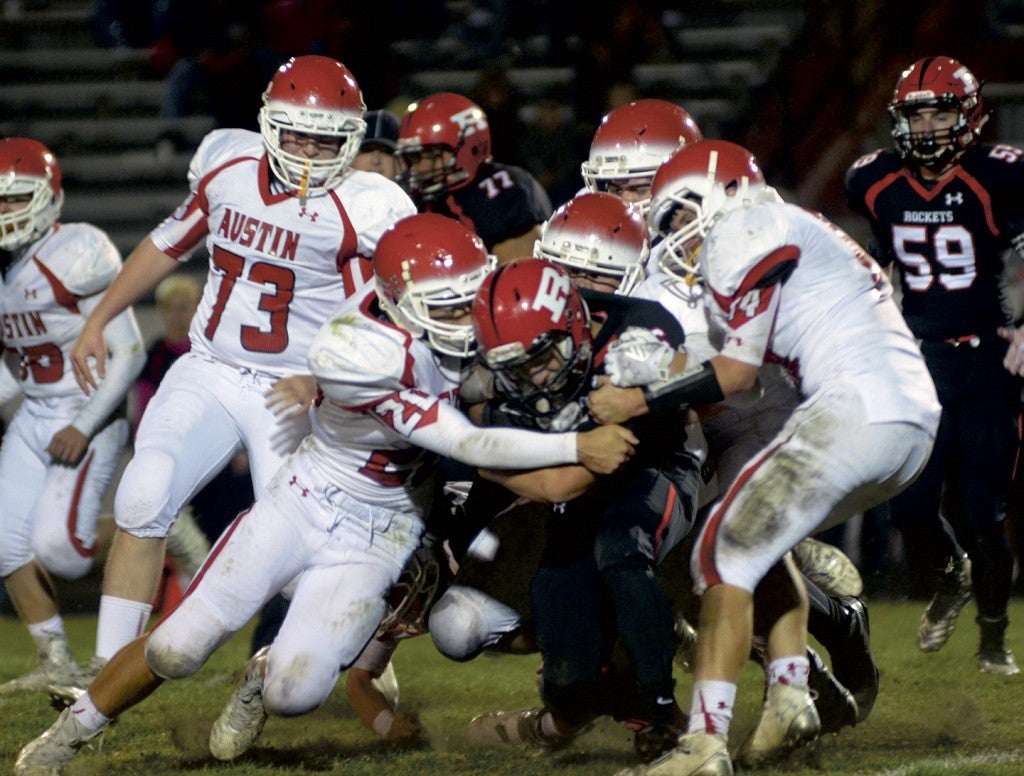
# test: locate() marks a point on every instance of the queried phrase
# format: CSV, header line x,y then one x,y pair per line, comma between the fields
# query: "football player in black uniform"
x,y
942,208
544,340
444,144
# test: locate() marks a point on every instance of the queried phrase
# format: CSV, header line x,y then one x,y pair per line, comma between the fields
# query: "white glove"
x,y
638,357
567,418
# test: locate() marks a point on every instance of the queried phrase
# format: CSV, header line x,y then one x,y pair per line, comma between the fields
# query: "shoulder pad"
x,y
739,240
358,360
219,147
94,260
373,203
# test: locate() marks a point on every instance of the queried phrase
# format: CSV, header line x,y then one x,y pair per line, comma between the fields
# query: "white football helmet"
x,y
600,234
425,262
633,140
691,190
28,170
312,95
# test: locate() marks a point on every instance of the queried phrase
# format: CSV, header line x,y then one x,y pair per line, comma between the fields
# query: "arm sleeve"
x,y
444,430
127,357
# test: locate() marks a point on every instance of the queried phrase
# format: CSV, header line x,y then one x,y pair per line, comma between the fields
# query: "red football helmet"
x,y
29,174
312,95
945,85
425,263
600,234
532,326
633,140
442,122
691,190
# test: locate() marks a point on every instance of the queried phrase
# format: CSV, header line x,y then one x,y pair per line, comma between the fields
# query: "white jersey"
x,y
831,322
376,377
389,410
277,262
40,310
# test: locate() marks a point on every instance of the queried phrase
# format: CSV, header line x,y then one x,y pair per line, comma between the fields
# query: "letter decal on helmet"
x,y
552,293
470,120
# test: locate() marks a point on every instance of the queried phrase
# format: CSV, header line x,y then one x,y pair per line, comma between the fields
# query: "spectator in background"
x,y
222,63
377,151
551,146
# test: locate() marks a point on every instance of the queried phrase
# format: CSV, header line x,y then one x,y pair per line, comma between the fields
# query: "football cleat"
x,y
65,693
837,708
788,721
48,754
242,719
187,543
508,728
55,665
854,664
695,754
940,617
652,741
993,656
828,567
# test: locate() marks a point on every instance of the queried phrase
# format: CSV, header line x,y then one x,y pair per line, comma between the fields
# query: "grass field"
x,y
936,715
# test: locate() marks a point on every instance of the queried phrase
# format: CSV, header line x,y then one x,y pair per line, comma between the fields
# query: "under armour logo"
x,y
312,216
954,197
30,293
295,481
558,509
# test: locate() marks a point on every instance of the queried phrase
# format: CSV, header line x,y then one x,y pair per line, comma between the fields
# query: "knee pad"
x,y
301,685
141,505
180,645
464,621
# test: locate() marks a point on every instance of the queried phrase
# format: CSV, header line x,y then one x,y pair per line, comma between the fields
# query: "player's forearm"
x,y
554,485
143,270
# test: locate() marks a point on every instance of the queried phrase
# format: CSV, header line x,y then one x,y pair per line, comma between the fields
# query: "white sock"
x,y
711,707
42,632
793,671
89,719
121,621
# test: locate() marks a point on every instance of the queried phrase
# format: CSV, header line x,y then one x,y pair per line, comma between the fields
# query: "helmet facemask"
x,y
516,369
933,149
310,177
37,213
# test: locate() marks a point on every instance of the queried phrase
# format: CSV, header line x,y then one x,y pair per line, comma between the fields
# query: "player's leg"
x,y
23,467
185,437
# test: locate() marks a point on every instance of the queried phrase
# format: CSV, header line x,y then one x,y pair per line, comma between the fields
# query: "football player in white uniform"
x,y
786,285
344,513
285,220
62,446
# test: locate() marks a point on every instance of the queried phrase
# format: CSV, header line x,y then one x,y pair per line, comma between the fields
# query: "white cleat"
x,y
695,754
65,693
48,754
55,665
187,543
508,728
828,567
788,721
241,721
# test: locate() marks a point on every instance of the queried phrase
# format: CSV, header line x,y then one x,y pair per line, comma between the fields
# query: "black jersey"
x,y
503,202
946,237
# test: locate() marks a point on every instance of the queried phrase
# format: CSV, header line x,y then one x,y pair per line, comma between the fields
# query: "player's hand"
x,y
405,731
291,396
609,404
90,345
605,449
637,357
1014,359
68,446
